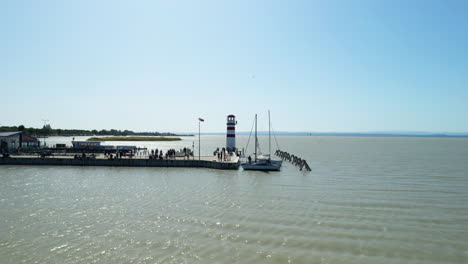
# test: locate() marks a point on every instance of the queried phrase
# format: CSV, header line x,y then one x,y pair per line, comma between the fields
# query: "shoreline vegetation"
x,y
134,139
47,130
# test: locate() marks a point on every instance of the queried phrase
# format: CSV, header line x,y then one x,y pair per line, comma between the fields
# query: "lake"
x,y
366,200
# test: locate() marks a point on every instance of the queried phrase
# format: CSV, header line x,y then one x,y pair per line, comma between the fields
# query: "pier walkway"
x,y
232,163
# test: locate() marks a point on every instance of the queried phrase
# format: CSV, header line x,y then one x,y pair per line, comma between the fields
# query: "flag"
x,y
201,119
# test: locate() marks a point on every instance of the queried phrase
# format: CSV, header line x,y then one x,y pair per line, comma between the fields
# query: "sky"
x,y
319,66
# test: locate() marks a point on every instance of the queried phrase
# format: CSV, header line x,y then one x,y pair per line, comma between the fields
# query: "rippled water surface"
x,y
367,200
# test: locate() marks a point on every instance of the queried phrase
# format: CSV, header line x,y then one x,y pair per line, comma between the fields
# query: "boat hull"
x,y
261,167
266,158
274,162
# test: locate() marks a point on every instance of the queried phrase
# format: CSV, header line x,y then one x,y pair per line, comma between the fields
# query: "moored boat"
x,y
262,162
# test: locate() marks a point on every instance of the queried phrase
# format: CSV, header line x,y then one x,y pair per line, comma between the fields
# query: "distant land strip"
x,y
356,134
47,130
134,139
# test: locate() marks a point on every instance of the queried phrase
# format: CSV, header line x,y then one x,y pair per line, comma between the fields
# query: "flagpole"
x,y
199,136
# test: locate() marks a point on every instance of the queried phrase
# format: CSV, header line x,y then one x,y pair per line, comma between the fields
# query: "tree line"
x,y
47,130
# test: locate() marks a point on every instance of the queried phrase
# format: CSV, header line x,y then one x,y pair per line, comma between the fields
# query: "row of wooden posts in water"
x,y
302,163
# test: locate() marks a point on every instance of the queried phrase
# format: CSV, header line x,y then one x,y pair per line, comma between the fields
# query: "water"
x,y
366,200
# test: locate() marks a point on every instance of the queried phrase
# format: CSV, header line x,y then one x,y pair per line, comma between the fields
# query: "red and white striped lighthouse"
x,y
231,133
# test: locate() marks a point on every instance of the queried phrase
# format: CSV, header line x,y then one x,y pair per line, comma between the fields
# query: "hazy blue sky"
x,y
159,65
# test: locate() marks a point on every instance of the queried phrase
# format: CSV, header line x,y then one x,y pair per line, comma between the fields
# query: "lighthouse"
x,y
231,133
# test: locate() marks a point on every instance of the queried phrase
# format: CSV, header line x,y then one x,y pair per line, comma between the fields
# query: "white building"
x,y
12,141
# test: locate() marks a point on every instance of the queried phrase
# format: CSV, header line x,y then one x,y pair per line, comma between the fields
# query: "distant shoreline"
x,y
134,139
344,134
48,131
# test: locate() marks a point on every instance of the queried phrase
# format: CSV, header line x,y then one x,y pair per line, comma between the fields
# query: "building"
x,y
231,133
12,141
29,142
86,144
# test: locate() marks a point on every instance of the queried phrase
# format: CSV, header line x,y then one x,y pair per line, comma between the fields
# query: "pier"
x,y
204,162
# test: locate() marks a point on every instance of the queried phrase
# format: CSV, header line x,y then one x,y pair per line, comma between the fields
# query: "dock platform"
x,y
205,162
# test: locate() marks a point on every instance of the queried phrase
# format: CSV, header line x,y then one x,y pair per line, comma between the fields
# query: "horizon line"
x,y
341,132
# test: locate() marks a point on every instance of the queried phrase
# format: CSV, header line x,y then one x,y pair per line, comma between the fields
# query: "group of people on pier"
x,y
185,153
83,156
224,154
170,154
158,154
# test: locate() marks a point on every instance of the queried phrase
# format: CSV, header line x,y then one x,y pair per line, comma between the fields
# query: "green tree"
x,y
46,130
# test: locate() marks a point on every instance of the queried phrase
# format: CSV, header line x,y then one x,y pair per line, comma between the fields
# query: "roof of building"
x,y
8,134
231,116
26,138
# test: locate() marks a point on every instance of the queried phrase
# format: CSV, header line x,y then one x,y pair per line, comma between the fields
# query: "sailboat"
x,y
261,162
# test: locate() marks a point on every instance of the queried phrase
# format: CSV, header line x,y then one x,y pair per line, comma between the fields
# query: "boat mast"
x,y
269,135
256,138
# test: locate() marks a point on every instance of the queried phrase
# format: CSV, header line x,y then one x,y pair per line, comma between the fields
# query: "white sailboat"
x,y
262,162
